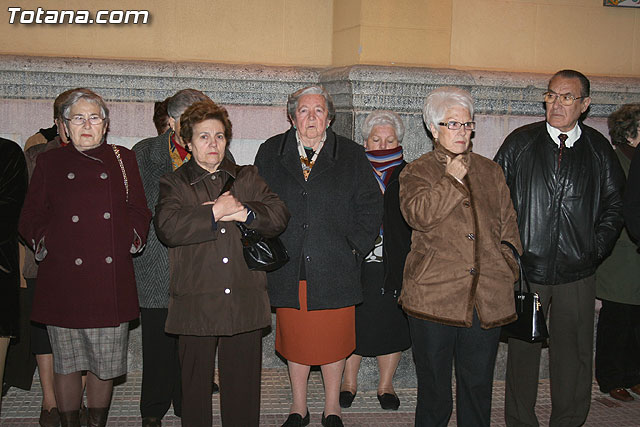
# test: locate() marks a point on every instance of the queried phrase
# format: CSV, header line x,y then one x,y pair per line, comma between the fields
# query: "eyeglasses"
x,y
80,120
453,125
565,99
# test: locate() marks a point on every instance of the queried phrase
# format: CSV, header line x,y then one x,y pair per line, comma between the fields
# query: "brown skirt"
x,y
316,337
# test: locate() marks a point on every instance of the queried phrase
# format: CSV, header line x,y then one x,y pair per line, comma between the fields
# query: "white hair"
x,y
383,118
440,100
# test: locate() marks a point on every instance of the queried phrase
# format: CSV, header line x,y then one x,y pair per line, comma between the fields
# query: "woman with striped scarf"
x,y
382,330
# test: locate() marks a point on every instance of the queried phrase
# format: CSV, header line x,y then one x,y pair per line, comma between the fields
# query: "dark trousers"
x,y
473,350
570,309
161,383
239,366
618,346
21,363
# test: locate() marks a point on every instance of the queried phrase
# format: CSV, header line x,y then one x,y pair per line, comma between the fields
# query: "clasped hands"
x,y
227,208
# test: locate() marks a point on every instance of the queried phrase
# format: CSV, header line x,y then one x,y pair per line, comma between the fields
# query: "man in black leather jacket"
x,y
565,183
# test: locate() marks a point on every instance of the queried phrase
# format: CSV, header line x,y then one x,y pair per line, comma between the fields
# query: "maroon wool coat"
x,y
80,225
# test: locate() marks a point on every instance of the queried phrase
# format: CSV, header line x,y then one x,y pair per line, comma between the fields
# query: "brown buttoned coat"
x,y
212,292
457,262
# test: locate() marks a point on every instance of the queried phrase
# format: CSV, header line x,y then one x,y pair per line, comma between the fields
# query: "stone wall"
x,y
256,96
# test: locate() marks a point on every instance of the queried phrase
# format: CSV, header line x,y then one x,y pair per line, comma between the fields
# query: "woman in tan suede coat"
x,y
458,278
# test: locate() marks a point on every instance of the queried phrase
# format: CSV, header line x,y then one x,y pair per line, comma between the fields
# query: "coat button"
x,y
225,260
466,204
106,215
227,291
223,230
473,271
104,175
75,218
304,194
471,236
108,260
78,261
213,177
305,226
71,175
308,258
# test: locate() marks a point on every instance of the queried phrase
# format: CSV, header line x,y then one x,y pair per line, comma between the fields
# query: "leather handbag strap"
x,y
116,150
523,276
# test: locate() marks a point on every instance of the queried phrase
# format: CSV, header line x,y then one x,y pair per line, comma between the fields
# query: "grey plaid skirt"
x,y
102,351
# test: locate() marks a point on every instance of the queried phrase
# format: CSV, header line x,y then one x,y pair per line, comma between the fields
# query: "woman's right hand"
x,y
225,205
457,167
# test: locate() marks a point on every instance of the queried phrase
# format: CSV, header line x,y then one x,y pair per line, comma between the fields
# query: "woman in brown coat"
x,y
458,278
84,216
215,300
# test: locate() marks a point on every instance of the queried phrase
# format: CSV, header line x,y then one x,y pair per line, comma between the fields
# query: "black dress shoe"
x,y
346,399
389,401
296,420
332,421
215,388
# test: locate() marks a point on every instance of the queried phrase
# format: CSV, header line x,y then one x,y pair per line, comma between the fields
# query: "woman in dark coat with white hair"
x,y
336,211
85,214
458,279
382,330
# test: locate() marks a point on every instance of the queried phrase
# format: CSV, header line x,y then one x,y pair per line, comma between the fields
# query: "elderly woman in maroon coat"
x,y
85,215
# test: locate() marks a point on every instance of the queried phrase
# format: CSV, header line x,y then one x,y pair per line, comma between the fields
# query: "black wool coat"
x,y
335,219
13,187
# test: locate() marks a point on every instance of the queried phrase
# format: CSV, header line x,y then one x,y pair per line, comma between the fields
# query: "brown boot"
x,y
70,419
98,417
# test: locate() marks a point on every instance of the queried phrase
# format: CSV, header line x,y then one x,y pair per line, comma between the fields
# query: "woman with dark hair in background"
x,y
617,280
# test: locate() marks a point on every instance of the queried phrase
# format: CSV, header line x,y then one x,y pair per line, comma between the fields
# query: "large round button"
x,y
75,218
223,230
213,177
104,175
78,261
106,215
71,175
466,204
225,260
227,291
308,258
108,260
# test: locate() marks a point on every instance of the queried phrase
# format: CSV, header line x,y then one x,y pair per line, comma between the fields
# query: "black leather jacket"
x,y
570,216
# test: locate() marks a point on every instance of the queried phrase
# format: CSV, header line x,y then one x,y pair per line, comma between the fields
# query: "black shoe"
x,y
151,422
215,388
389,401
296,420
346,399
332,421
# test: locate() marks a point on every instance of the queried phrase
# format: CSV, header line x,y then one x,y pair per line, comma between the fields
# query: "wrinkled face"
x,y
311,118
565,117
208,144
87,136
382,137
456,141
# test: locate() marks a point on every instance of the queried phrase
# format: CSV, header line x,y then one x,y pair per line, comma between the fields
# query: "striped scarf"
x,y
383,163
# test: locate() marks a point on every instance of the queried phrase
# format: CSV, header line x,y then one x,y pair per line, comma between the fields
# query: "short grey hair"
x,y
183,99
292,100
76,95
440,100
382,118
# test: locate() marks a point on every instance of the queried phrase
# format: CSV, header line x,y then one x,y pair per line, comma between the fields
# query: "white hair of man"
x,y
382,118
440,100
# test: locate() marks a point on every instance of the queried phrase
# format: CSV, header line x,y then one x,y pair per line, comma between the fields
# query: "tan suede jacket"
x,y
457,262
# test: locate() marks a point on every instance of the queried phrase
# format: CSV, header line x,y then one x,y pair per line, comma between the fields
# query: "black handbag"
x,y
530,325
260,253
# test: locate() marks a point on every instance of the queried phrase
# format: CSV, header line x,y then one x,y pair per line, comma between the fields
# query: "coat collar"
x,y
160,153
195,173
290,158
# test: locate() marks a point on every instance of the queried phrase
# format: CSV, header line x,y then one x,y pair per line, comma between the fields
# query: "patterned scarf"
x,y
383,163
304,152
174,153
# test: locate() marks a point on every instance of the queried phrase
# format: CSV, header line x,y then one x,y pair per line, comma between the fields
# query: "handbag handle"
x,y
523,276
